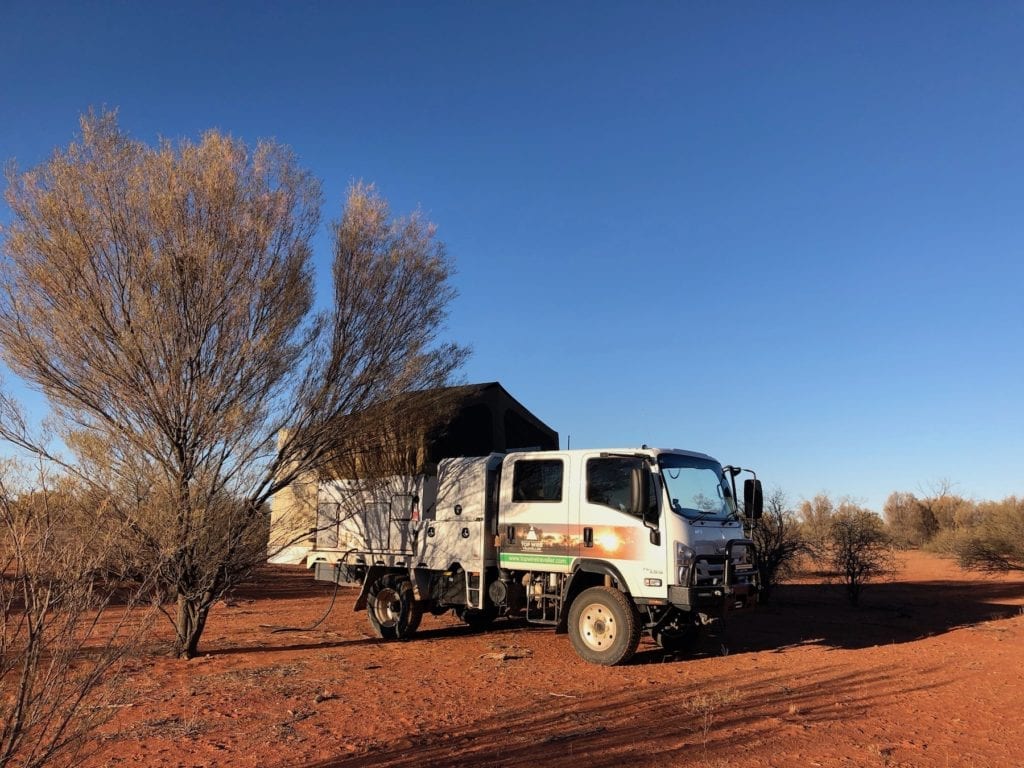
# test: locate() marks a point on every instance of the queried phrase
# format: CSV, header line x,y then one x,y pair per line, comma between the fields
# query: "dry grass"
x,y
707,706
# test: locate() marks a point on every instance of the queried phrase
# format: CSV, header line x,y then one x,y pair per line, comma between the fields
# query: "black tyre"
x,y
603,626
391,607
680,635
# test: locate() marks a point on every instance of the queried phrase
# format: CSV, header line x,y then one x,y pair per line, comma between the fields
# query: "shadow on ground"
x,y
669,725
422,636
896,612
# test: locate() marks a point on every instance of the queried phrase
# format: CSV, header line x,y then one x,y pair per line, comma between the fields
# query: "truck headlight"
x,y
684,559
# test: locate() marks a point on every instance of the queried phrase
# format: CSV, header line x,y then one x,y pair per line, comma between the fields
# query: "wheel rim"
x,y
597,627
387,607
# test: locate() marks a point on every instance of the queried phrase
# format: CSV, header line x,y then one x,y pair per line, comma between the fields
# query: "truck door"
x,y
612,520
534,506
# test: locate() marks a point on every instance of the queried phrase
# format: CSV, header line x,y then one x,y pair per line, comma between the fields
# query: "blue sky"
x,y
788,235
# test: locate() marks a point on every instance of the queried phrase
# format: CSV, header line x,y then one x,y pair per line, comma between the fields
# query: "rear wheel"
x,y
392,608
603,626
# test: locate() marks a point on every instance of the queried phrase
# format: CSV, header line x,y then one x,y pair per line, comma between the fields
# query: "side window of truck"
x,y
537,480
609,482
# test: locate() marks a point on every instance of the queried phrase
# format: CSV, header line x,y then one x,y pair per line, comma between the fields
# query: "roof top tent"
x,y
415,432
486,419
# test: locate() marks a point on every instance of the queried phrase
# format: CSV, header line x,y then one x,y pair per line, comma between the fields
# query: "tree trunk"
x,y
189,625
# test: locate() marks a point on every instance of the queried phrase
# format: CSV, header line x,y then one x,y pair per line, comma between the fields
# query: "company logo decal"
x,y
566,542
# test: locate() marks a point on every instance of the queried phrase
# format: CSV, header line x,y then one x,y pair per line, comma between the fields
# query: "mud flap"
x,y
373,573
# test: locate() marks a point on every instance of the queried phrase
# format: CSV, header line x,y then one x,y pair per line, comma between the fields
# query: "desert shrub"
x,y
949,510
815,521
859,549
943,543
779,542
911,523
995,542
54,591
915,521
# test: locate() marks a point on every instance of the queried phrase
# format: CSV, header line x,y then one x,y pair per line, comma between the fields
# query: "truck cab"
x,y
660,528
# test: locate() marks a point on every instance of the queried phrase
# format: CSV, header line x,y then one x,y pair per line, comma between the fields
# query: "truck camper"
x,y
603,544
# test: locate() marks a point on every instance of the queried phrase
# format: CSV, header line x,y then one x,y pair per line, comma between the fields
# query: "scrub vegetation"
x,y
67,621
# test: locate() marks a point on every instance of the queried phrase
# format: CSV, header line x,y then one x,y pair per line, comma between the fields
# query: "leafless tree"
x,y
944,510
859,549
779,541
66,622
162,299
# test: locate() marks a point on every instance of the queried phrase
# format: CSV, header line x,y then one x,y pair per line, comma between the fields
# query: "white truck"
x,y
602,544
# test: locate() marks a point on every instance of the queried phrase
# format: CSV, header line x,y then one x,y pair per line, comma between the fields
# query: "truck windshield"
x,y
696,487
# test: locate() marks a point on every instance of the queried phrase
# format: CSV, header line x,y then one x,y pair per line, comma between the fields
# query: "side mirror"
x,y
644,501
753,499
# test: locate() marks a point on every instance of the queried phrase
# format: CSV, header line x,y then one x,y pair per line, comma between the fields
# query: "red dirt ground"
x,y
927,673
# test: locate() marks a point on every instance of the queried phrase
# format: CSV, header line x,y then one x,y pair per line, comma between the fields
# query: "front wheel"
x,y
603,626
392,608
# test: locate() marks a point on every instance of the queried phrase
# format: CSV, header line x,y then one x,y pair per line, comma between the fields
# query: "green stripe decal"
x,y
511,558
